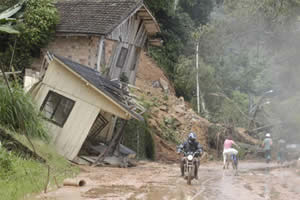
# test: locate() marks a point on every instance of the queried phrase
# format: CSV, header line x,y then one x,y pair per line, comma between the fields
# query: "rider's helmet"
x,y
192,137
268,135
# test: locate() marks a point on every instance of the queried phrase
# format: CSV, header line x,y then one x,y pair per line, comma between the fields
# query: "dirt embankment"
x,y
171,118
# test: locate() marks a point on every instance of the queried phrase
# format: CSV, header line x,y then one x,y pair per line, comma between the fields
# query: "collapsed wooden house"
x,y
77,101
97,43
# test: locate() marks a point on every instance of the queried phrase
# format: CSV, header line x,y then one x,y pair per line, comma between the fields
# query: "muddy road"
x,y
255,181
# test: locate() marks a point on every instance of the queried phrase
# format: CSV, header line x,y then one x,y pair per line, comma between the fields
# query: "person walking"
x,y
267,146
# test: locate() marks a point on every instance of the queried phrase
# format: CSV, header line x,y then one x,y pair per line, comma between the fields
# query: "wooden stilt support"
x,y
113,144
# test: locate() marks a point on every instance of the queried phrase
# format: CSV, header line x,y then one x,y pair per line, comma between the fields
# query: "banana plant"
x,y
6,20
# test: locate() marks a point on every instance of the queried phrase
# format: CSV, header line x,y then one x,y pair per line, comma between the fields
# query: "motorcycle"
x,y
190,164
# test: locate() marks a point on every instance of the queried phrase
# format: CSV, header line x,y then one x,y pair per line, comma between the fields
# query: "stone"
x,y
156,84
181,101
179,109
164,84
163,108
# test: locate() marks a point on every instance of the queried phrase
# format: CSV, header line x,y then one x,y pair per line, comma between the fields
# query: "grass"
x,y
19,113
21,177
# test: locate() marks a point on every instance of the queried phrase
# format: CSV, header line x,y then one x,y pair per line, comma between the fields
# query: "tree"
x,y
36,23
177,25
198,10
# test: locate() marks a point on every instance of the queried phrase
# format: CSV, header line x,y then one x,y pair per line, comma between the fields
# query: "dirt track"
x,y
160,181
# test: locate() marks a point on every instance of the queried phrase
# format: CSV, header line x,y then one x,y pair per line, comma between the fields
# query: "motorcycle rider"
x,y
191,145
228,150
267,144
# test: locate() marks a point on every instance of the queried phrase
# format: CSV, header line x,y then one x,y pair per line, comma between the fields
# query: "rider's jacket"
x,y
191,146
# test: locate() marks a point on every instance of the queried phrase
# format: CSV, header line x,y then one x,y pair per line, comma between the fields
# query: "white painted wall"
x,y
88,103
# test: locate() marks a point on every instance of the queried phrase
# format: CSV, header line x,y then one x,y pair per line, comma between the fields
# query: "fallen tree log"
x,y
218,133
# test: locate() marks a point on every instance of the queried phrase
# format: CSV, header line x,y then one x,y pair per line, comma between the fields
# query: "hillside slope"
x,y
171,119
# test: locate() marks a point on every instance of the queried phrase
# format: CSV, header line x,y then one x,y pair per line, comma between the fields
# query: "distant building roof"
x,y
109,88
100,16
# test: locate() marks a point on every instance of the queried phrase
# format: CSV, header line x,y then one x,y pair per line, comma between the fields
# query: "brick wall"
x,y
81,49
109,45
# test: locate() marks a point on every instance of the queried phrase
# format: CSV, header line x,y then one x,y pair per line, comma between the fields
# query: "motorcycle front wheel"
x,y
190,176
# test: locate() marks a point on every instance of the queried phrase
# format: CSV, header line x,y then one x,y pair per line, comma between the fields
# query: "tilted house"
x,y
106,35
96,43
77,101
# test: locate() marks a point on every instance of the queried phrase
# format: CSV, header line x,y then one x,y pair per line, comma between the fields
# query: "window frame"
x,y
122,55
61,97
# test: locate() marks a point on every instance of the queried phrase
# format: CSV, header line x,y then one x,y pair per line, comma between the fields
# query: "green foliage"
x,y
138,138
177,26
246,47
36,23
198,10
19,113
169,130
166,97
6,164
230,111
185,79
8,3
8,29
158,6
21,177
40,18
273,11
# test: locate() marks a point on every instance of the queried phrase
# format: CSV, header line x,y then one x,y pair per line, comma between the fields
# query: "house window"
x,y
122,57
56,108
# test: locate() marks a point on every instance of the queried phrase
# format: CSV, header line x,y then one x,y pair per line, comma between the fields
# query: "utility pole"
x,y
197,77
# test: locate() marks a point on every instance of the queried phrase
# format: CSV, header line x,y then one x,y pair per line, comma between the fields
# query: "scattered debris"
x,y
156,84
164,84
123,157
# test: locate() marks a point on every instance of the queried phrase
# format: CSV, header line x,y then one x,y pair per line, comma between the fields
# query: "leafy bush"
x,y
6,164
138,137
36,22
20,177
17,112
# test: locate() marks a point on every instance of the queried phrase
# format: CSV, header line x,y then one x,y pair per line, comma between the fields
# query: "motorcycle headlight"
x,y
190,157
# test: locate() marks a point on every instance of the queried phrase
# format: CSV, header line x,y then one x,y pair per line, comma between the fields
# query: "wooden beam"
x,y
143,14
147,20
100,52
10,73
113,144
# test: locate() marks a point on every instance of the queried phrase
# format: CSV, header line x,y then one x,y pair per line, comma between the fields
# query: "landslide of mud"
x,y
168,113
171,119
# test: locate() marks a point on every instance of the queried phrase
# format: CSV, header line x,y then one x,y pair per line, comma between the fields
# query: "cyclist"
x,y
228,150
